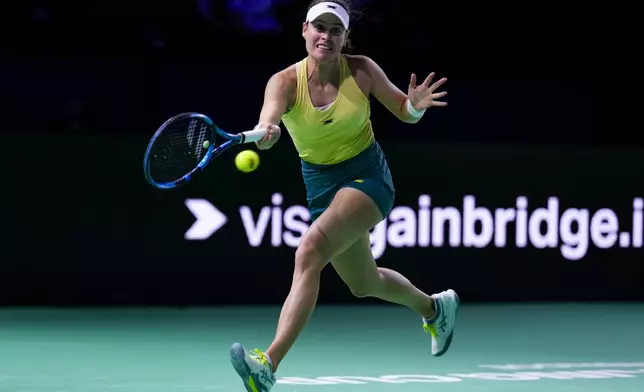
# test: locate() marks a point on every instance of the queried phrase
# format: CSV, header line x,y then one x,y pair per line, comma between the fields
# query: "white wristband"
x,y
415,113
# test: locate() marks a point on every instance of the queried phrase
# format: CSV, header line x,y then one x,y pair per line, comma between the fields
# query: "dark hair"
x,y
346,4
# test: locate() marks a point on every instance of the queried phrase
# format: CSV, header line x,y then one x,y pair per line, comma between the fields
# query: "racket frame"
x,y
214,149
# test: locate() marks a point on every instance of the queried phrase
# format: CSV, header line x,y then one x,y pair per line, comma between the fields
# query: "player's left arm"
x,y
408,107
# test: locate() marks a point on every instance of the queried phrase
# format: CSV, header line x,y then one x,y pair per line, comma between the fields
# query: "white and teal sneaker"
x,y
254,368
441,326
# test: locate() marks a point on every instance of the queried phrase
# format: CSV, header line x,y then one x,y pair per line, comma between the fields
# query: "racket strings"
x,y
178,149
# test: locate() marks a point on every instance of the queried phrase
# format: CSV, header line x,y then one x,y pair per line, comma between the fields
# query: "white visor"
x,y
328,8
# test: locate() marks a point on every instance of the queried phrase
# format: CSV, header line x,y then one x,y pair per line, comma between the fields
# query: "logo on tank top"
x,y
326,122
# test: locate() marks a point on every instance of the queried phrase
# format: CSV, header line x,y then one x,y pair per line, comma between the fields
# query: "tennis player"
x,y
323,102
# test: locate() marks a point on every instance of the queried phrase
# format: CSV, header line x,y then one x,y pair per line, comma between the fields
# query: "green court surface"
x,y
534,348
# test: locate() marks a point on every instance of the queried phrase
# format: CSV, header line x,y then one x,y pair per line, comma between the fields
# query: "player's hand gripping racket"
x,y
184,145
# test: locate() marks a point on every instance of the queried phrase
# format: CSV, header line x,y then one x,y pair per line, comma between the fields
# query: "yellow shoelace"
x,y
430,329
260,357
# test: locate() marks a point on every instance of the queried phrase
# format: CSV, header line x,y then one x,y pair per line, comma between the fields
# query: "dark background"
x,y
84,86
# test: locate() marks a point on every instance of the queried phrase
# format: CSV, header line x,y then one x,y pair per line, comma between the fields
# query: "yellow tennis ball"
x,y
247,161
206,144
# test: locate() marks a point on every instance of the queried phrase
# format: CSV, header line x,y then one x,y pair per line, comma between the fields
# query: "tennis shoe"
x,y
441,326
254,367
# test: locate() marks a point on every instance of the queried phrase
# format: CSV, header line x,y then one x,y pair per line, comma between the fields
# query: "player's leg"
x,y
350,214
356,265
357,268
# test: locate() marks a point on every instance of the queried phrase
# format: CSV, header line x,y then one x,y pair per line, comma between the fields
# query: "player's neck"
x,y
323,73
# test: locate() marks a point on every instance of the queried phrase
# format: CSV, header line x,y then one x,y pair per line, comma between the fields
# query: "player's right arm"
x,y
278,97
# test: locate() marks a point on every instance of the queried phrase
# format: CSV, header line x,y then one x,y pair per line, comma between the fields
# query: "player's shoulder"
x,y
286,78
363,68
361,64
359,61
283,83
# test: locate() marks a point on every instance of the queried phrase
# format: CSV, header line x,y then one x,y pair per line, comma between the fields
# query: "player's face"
x,y
324,37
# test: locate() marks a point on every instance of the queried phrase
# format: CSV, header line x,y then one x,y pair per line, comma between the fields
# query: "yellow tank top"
x,y
335,133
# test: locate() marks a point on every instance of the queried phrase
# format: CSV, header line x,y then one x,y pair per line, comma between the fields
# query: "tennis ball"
x,y
247,161
206,144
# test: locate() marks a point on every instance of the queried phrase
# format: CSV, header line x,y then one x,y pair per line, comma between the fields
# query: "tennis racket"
x,y
184,145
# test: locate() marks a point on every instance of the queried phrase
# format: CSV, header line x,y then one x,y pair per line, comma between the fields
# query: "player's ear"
x,y
305,26
347,42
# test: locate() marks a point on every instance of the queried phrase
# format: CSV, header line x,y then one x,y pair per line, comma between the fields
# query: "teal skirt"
x,y
367,172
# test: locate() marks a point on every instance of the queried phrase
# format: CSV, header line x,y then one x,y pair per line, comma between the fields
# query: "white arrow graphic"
x,y
208,219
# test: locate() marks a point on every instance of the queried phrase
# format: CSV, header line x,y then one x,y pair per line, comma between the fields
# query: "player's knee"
x,y
309,254
366,286
360,291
